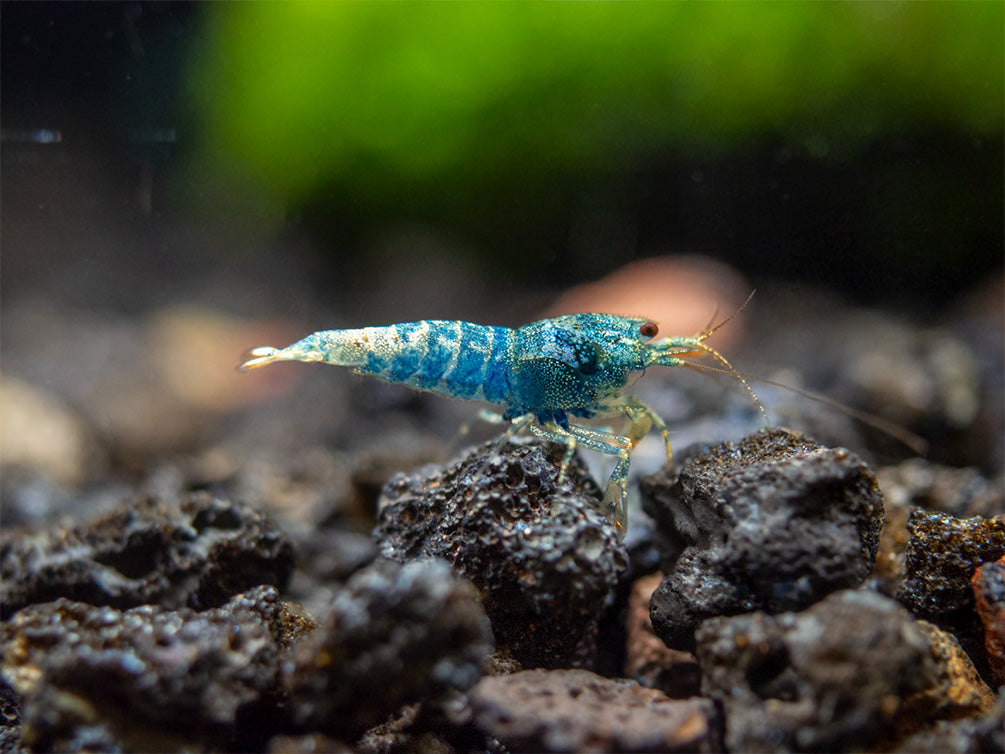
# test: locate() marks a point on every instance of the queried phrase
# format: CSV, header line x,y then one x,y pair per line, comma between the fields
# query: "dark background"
x,y
874,190
184,181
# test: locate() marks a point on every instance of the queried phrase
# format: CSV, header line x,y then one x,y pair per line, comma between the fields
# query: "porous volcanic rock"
x,y
396,634
99,679
943,552
774,522
538,548
198,553
942,555
832,677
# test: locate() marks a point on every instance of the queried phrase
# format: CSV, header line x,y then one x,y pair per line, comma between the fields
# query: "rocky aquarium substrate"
x,y
774,593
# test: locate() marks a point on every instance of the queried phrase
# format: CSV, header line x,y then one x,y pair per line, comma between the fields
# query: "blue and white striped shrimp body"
x,y
540,374
458,359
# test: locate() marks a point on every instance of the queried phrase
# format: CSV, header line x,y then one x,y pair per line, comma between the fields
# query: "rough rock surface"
x,y
576,710
942,554
918,483
773,523
10,718
989,592
96,678
197,553
541,553
395,635
958,690
829,678
985,733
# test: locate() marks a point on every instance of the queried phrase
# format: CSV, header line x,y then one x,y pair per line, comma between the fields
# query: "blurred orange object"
x,y
681,293
196,351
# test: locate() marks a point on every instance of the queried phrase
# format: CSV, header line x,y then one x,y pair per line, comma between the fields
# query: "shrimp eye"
x,y
649,329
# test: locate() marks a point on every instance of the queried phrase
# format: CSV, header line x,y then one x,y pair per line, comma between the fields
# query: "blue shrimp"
x,y
540,374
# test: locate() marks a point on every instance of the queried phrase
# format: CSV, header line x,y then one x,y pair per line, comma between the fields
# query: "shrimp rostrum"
x,y
541,375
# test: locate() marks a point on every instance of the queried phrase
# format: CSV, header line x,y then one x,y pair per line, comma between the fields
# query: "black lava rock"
x,y
942,554
196,553
10,718
772,523
395,635
540,551
95,678
832,678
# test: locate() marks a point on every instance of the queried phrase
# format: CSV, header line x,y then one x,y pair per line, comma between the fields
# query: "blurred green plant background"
x,y
392,100
512,125
856,146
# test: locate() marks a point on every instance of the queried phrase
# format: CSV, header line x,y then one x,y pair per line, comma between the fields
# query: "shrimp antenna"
x,y
915,442
730,370
710,328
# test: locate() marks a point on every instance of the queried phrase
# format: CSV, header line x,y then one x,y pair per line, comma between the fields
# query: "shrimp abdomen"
x,y
460,359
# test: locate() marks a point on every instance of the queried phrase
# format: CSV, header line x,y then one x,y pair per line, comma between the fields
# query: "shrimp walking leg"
x,y
615,500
